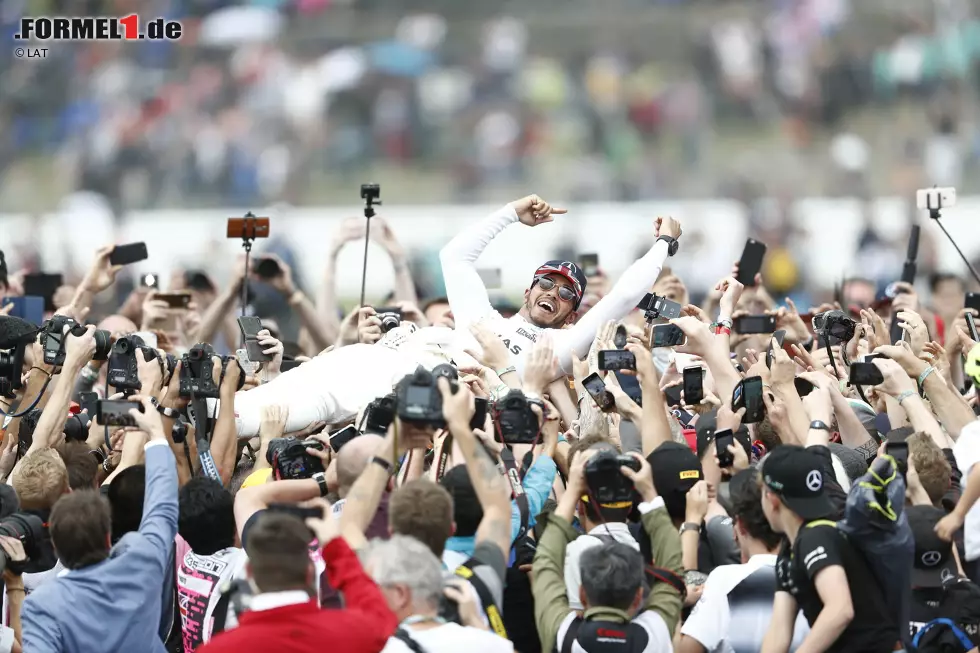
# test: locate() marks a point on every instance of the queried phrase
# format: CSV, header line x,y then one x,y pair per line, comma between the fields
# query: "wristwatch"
x,y
321,480
672,244
163,410
689,526
817,425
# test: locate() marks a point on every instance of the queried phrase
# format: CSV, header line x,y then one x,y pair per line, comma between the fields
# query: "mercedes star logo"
x,y
931,558
814,481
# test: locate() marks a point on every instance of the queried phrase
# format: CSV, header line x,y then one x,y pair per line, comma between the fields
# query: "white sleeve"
x,y
6,639
621,300
465,291
708,622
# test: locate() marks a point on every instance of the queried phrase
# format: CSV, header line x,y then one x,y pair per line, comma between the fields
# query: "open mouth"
x,y
547,306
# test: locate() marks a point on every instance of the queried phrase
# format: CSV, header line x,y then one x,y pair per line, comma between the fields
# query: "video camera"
x,y
197,372
834,324
607,484
290,460
122,371
517,422
29,529
418,398
654,307
53,336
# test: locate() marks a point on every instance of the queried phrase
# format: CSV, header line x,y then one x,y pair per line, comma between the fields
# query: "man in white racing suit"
x,y
334,386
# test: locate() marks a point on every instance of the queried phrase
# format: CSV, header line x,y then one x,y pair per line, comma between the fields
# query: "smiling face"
x,y
545,308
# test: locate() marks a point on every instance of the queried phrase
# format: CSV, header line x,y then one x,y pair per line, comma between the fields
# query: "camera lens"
x,y
388,322
29,529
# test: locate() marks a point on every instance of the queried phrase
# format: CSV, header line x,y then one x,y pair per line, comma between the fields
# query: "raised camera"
x,y
53,339
606,481
517,422
390,318
290,459
197,372
834,324
122,371
419,400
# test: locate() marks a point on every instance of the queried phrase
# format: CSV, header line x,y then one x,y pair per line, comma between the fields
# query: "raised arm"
x,y
160,510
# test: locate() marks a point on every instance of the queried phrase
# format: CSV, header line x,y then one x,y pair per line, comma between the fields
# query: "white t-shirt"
x,y
199,583
452,638
573,555
967,454
735,609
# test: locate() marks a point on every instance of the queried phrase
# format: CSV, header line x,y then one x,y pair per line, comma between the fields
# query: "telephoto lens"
x,y
29,529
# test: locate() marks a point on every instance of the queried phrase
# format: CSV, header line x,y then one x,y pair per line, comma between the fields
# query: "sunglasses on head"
x,y
564,292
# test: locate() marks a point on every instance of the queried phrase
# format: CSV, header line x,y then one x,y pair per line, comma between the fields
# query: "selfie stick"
x,y
370,193
935,214
248,235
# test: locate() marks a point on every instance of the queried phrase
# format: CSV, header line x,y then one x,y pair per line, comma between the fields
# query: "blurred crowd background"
x,y
298,101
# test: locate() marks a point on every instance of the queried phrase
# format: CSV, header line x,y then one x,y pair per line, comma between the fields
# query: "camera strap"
x,y
490,606
517,490
201,426
445,449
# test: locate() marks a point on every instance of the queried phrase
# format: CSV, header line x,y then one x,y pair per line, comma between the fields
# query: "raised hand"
x,y
102,274
532,211
667,227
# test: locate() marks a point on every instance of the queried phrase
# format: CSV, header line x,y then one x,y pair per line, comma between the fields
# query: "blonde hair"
x,y
40,480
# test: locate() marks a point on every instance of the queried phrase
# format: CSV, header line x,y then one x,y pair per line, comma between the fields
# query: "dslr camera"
x,y
379,415
606,483
517,422
53,335
197,372
418,398
290,460
122,371
834,324
29,529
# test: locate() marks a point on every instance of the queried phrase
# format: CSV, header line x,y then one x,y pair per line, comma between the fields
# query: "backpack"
x,y
941,636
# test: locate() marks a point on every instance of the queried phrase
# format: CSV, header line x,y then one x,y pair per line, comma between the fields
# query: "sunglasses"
x,y
564,292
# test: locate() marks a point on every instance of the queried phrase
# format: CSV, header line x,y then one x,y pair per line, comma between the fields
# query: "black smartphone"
x,y
250,327
668,335
479,420
44,286
174,299
778,337
26,308
751,262
748,395
972,300
752,324
616,359
596,388
621,337
722,440
300,512
149,280
672,394
865,374
693,385
342,437
267,268
589,264
803,387
895,332
113,412
127,254
971,327
682,416
900,452
88,401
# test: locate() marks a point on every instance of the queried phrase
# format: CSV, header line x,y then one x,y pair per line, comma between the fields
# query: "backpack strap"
x,y
490,606
402,636
571,635
962,637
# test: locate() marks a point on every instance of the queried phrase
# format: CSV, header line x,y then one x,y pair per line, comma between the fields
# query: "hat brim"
x,y
934,576
810,508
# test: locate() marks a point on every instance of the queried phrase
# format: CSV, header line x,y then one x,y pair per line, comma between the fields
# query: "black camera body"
x,y
76,427
517,422
27,528
379,414
290,460
197,372
834,324
390,318
122,371
371,193
53,335
606,483
418,398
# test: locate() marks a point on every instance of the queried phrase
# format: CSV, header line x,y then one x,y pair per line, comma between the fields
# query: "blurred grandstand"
x,y
447,100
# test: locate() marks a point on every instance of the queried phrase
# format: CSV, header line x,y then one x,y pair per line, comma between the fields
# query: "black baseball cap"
x,y
706,426
934,563
796,475
676,469
570,271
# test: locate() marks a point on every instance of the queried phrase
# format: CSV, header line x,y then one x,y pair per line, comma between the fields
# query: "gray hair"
x,y
611,575
403,560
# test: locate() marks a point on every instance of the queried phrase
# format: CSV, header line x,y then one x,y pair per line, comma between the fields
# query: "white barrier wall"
x,y
615,231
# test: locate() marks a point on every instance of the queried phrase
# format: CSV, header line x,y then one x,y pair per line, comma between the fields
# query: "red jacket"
x,y
362,627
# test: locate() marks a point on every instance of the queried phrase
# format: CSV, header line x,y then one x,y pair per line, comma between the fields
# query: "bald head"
x,y
118,324
353,459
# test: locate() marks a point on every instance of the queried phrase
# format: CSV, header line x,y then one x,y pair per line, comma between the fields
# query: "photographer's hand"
x,y
149,373
369,326
101,275
457,408
147,420
469,615
642,479
542,366
79,349
576,487
325,528
697,503
270,345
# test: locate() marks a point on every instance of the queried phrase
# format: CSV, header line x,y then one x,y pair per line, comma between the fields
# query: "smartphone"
x,y
972,300
900,452
751,262
589,264
299,512
247,366
339,438
865,374
26,308
693,385
752,324
248,228
895,332
596,388
479,420
113,412
175,299
266,268
492,278
672,394
803,387
748,395
654,307
668,335
250,327
971,327
127,254
88,401
616,359
621,337
44,286
149,281
682,416
778,337
722,440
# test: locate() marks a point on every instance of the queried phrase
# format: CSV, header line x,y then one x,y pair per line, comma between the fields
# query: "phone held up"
x,y
596,388
748,395
668,335
751,262
693,385
250,327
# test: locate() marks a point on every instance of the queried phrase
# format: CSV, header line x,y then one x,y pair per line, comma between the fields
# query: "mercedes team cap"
x,y
934,564
570,271
796,476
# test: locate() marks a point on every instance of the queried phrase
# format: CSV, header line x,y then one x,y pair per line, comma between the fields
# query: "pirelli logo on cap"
x,y
691,473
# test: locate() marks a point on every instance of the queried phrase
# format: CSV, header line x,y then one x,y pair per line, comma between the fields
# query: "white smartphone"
x,y
934,199
248,366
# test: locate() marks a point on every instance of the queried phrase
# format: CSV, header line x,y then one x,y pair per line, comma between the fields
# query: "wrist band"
x,y
100,456
905,395
724,321
296,297
163,410
722,330
506,370
925,374
378,460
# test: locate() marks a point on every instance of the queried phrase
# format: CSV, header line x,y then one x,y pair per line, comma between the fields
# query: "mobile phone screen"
x,y
900,452
972,301
751,324
693,386
342,437
616,359
26,308
865,374
751,262
673,395
722,441
748,395
176,299
114,412
127,254
668,335
479,420
596,388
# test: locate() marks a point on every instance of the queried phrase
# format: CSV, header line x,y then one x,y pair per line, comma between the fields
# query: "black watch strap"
x,y
321,480
817,425
378,460
672,244
170,413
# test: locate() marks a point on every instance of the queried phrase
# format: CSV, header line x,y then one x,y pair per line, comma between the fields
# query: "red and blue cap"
x,y
567,269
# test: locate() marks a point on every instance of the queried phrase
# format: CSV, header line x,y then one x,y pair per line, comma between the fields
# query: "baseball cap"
x,y
933,564
567,269
707,424
796,475
675,470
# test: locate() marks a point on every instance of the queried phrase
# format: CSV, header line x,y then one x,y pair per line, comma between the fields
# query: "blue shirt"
x,y
113,606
